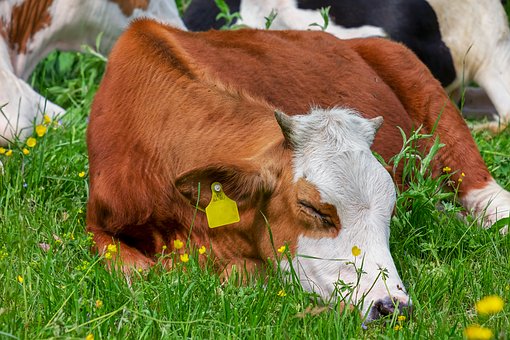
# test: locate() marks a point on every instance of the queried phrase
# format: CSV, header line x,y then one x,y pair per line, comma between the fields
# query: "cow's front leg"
x,y
20,106
117,253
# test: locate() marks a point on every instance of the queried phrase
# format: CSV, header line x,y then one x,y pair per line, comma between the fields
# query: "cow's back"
x,y
307,69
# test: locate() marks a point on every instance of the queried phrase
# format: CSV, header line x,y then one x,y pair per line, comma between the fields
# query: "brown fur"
x,y
176,109
27,19
128,6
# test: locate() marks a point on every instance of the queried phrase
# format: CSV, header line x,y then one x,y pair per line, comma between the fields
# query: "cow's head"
x,y
323,192
332,154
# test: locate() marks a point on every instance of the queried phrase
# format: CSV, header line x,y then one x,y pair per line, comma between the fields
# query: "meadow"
x,y
52,286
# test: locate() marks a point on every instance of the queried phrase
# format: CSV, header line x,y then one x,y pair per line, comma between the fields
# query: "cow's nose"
x,y
387,306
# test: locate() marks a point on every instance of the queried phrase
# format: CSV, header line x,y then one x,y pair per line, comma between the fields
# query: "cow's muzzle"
x,y
389,306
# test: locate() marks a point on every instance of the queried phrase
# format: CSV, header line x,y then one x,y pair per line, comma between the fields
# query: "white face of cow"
x,y
332,151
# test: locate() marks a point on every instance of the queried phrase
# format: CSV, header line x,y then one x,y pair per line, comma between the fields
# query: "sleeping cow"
x,y
282,123
460,40
30,29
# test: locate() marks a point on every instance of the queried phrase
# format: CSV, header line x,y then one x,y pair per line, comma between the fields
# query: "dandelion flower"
x,y
282,249
31,142
490,305
178,244
184,258
397,327
356,251
89,337
282,293
20,279
2,151
47,119
99,304
447,169
112,248
25,151
81,174
40,130
108,255
8,153
475,332
401,318
201,250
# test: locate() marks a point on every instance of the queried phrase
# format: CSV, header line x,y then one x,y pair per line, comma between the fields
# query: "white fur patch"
x,y
290,17
489,204
332,151
480,52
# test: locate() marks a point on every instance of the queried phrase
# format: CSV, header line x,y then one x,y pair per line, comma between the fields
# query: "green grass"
x,y
447,265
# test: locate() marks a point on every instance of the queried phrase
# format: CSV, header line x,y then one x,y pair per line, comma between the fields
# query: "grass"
x,y
51,286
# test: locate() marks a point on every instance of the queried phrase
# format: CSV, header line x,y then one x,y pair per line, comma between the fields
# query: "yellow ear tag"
x,y
221,210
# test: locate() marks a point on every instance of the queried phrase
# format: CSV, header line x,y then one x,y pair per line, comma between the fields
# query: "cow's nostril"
x,y
387,306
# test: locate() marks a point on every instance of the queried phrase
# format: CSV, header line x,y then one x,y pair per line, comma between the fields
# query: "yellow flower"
x,y
490,305
40,130
356,251
178,244
108,255
282,249
47,119
164,247
81,174
397,327
460,180
282,293
447,169
140,270
112,248
201,250
462,175
8,153
89,337
2,151
31,142
184,258
25,151
20,279
475,332
401,318
99,303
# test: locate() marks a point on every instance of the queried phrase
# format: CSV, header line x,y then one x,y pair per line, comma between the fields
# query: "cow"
x,y
284,124
440,32
30,29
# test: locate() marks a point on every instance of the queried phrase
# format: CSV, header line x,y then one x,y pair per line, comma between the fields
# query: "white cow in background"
x,y
30,29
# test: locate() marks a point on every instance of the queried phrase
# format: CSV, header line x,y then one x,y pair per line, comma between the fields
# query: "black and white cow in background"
x,y
459,40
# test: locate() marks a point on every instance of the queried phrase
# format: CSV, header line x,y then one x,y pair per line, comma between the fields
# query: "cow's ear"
x,y
242,183
287,125
377,122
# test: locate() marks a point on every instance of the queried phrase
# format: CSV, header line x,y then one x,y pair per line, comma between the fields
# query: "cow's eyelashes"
x,y
311,210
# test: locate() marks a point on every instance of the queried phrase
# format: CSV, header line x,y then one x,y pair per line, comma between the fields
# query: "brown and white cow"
x,y
176,110
30,29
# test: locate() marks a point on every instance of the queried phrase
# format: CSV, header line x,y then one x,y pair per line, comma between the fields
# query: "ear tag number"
x,y
221,210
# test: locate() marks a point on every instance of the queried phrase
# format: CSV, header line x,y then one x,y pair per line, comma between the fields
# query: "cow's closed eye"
x,y
323,217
